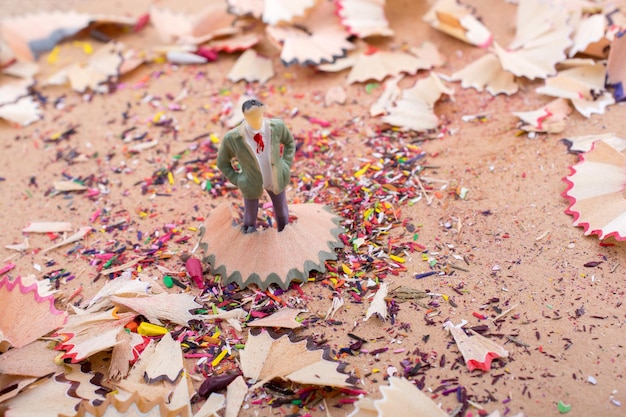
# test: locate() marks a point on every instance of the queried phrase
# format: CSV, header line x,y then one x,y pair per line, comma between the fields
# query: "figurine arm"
x,y
224,156
289,146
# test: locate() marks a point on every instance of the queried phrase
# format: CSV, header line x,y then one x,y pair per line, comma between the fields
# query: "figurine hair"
x,y
250,104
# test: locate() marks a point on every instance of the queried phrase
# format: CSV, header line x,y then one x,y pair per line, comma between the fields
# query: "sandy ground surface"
x,y
520,247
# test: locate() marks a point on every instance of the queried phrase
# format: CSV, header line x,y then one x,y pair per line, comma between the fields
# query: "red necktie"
x,y
259,143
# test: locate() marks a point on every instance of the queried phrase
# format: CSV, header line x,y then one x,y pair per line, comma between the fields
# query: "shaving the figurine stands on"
x,y
256,156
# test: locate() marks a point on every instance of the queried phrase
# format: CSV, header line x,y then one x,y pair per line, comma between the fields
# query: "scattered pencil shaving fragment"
x,y
404,293
16,103
68,186
82,232
596,192
477,350
87,334
364,18
583,85
457,20
123,267
211,22
541,37
401,398
377,65
86,384
31,314
122,403
236,314
335,94
265,358
487,73
284,318
125,284
52,396
102,67
48,227
33,34
23,112
340,64
179,401
590,37
143,146
276,11
543,235
124,352
11,385
166,363
378,306
551,118
44,287
414,110
578,144
7,57
12,91
135,381
504,313
235,394
323,373
238,42
496,413
319,39
35,359
429,52
335,305
20,247
254,355
21,69
390,94
7,267
212,405
248,8
615,68
251,67
185,58
167,306
303,246
364,407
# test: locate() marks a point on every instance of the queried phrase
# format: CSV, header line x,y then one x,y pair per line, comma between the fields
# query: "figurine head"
x,y
253,112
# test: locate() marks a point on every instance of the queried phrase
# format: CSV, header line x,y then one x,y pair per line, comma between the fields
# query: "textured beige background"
x,y
516,178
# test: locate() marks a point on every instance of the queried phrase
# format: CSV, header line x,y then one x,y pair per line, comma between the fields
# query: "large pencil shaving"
x,y
477,350
278,258
32,315
596,192
165,306
166,363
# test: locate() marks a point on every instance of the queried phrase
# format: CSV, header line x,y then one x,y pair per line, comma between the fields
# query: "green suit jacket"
x,y
250,180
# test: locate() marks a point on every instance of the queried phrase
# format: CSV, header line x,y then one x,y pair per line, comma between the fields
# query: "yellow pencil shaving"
x,y
157,117
362,171
53,56
397,258
149,329
219,358
58,359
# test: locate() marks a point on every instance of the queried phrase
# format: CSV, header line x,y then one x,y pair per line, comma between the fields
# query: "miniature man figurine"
x,y
264,149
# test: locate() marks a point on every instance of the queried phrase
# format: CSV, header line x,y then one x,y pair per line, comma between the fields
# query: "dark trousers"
x,y
281,212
